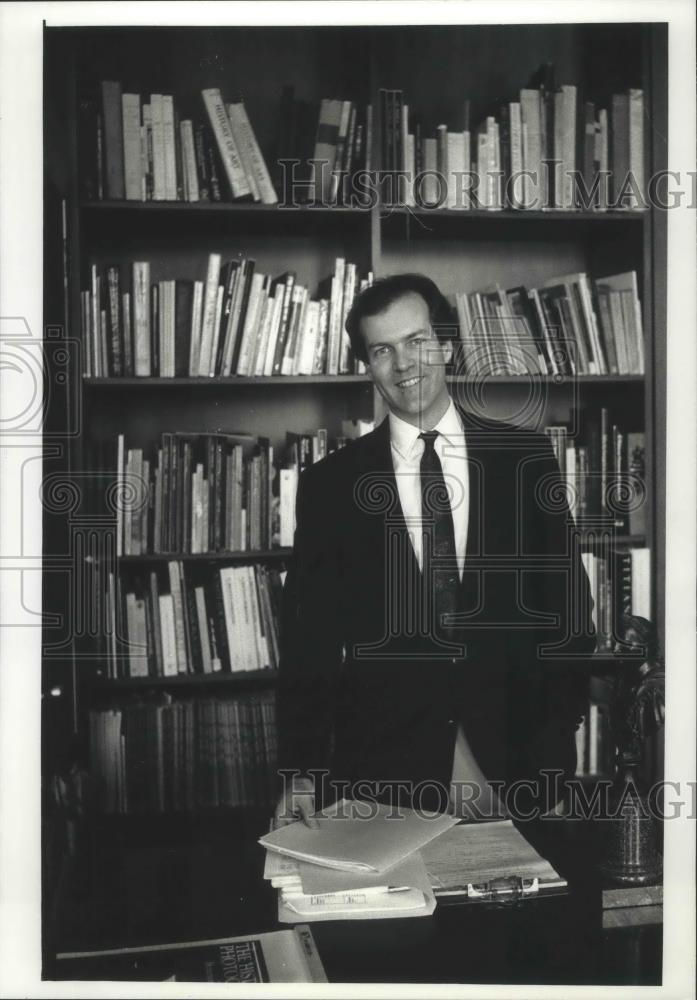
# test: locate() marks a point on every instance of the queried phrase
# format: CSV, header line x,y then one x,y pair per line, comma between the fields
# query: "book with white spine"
x,y
532,151
259,352
249,332
168,635
159,192
258,164
168,142
210,302
274,331
308,343
196,320
141,317
516,154
229,153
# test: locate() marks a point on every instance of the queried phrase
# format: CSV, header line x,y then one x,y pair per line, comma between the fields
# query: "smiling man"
x,y
436,603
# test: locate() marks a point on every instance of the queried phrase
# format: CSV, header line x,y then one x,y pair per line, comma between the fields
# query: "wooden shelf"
x,y
218,207
246,555
92,382
552,380
222,679
514,215
386,211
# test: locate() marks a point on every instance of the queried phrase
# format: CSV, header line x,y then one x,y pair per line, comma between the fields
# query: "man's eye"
x,y
379,351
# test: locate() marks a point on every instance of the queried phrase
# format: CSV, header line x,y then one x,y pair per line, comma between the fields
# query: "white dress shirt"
x,y
407,448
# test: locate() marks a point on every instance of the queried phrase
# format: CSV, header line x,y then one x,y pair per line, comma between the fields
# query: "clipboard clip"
x,y
506,889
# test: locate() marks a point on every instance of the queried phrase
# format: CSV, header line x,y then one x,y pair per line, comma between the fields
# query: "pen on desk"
x,y
380,890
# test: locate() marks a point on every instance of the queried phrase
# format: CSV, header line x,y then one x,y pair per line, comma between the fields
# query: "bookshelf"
x,y
463,250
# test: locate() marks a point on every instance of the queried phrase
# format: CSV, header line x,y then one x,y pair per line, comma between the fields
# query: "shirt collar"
x,y
404,436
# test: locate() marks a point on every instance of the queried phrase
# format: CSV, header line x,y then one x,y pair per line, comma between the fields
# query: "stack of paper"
x,y
361,862
477,853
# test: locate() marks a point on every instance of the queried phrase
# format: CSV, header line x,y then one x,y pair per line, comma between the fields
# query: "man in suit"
x,y
436,604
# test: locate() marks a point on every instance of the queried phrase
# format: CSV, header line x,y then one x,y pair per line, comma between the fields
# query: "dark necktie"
x,y
440,572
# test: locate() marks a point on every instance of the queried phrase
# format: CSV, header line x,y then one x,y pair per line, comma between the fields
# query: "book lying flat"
x,y
358,836
287,956
477,854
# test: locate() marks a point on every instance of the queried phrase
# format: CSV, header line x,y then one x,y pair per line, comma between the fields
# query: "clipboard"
x,y
489,863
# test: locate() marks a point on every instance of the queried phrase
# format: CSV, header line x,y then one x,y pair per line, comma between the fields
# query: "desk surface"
x,y
133,889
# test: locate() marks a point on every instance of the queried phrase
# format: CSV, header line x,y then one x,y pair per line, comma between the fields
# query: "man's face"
x,y
407,362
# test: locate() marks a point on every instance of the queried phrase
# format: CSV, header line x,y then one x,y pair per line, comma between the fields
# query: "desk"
x,y
134,889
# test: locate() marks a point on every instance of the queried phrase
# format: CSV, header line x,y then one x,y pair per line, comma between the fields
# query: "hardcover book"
x,y
286,956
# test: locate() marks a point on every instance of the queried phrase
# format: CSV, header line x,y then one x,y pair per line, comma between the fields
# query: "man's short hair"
x,y
385,292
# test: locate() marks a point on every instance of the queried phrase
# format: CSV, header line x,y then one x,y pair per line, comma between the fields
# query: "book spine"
x,y
250,331
636,147
170,168
115,339
258,164
621,193
202,619
189,160
229,153
209,309
242,143
232,620
178,607
158,147
285,315
141,317
112,122
132,152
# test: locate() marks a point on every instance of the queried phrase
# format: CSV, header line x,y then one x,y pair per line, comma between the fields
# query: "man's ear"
x,y
447,349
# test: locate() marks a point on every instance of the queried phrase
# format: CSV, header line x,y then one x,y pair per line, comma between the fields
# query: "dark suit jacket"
x,y
365,689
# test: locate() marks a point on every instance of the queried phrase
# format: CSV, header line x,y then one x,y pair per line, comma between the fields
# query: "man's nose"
x,y
403,359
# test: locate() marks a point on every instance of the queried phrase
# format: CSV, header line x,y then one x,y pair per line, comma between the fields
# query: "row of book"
x,y
144,148
224,621
603,468
570,325
178,756
200,493
319,151
620,583
545,150
238,321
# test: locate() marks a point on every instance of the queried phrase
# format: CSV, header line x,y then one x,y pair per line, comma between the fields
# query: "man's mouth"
x,y
409,382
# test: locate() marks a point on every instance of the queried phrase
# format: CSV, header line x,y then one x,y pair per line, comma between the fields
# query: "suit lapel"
x,y
378,469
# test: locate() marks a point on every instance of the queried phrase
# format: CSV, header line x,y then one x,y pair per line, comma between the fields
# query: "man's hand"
x,y
297,802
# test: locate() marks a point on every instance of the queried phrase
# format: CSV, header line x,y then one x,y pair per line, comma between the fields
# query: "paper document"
x,y
358,836
477,852
315,879
402,891
280,870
